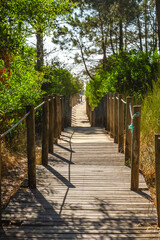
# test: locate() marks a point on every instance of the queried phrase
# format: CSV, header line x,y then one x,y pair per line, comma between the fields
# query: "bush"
x,y
150,125
19,88
130,73
60,81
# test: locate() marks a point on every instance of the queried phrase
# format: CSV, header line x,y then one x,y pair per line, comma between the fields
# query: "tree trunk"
x,y
120,35
158,19
104,55
125,47
155,35
40,53
146,27
111,41
120,26
139,33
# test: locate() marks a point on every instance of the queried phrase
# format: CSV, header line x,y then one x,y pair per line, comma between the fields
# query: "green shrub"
x,y
23,87
59,80
130,73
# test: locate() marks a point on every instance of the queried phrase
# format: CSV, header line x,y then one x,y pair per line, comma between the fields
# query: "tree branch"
x,y
84,62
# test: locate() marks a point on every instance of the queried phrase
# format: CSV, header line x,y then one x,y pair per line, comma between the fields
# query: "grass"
x,y
150,125
14,164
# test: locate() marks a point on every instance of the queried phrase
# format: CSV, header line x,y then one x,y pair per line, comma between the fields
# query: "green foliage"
x,y
21,88
60,81
150,117
150,125
130,73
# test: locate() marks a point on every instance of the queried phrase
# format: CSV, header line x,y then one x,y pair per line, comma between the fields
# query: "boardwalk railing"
x,y
122,121
57,111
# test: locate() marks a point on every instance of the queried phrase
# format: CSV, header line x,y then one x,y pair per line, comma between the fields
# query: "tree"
x,y
59,80
20,18
158,19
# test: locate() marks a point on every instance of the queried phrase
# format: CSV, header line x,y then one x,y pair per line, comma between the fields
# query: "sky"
x,y
65,57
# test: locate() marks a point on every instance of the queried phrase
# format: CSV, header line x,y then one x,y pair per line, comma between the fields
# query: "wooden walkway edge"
x,y
84,193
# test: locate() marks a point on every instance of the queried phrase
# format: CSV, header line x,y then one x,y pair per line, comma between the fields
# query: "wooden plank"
x,y
84,193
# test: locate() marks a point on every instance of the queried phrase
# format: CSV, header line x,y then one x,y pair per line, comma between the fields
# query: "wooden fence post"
x,y
63,113
87,106
60,116
45,132
55,119
115,118
128,140
120,124
108,113
31,147
0,182
111,115
135,148
157,175
73,100
92,117
70,114
67,112
51,124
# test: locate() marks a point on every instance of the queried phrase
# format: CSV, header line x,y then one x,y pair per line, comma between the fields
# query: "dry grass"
x,y
14,168
150,125
147,165
14,165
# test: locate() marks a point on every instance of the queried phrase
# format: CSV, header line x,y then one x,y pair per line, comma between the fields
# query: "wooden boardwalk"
x,y
84,193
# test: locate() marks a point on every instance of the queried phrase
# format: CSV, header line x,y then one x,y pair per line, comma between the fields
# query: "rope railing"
x,y
21,120
120,118
56,116
40,105
123,101
117,98
127,136
15,125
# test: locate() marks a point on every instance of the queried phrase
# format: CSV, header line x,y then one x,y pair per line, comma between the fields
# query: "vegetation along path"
x,y
84,193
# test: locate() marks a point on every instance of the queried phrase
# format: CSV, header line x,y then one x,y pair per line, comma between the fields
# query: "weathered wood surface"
x,y
84,193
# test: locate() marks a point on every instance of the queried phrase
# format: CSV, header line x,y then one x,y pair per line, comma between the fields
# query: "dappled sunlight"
x,y
83,193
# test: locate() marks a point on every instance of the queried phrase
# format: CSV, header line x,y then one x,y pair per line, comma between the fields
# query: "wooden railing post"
x,y
87,106
135,148
68,106
63,113
45,132
60,115
128,140
70,114
115,118
111,115
157,175
55,118
108,113
51,124
74,100
105,112
0,182
31,147
120,124
92,117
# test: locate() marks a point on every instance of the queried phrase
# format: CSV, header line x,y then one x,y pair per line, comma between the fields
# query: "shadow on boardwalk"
x,y
84,193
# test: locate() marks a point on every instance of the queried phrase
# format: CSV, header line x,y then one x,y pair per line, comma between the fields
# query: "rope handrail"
x,y
131,127
21,120
123,101
25,116
15,125
41,104
130,109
